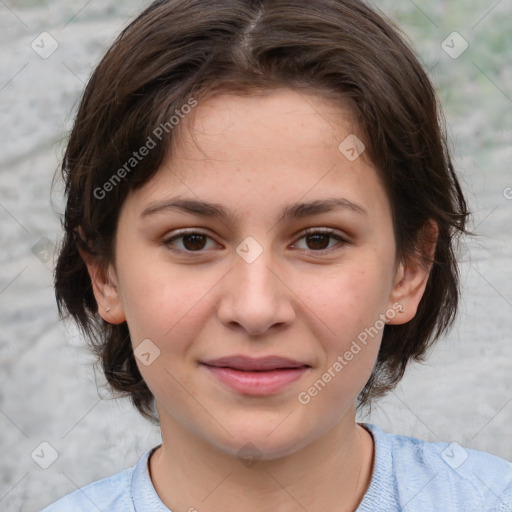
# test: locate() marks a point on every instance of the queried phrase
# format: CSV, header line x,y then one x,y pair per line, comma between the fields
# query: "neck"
x,y
331,473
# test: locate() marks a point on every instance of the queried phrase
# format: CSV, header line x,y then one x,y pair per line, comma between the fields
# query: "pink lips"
x,y
262,376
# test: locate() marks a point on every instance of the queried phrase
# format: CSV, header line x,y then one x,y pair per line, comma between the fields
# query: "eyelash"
x,y
308,232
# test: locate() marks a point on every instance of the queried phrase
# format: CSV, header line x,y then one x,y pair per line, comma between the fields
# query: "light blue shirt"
x,y
409,475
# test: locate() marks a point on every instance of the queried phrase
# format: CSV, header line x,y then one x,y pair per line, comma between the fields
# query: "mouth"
x,y
251,376
263,364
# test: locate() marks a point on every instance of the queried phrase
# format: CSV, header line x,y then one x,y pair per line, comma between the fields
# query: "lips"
x,y
244,363
255,376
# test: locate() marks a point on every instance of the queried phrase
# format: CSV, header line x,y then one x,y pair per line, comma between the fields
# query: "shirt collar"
x,y
144,496
146,499
379,490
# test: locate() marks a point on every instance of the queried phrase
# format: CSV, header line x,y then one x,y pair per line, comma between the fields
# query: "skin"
x,y
307,299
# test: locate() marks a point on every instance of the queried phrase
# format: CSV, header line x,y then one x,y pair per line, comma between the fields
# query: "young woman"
x,y
259,236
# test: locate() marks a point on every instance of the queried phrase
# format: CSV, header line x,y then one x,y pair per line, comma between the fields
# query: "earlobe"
x,y
412,276
105,288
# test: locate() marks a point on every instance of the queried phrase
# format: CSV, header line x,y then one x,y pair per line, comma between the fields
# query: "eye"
x,y
192,241
316,239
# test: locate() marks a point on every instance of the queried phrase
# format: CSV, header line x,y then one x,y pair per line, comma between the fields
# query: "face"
x,y
195,286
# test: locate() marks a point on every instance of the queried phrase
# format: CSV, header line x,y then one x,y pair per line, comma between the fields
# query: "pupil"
x,y
325,237
195,238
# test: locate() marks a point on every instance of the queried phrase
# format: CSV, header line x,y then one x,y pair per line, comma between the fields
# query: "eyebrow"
x,y
293,211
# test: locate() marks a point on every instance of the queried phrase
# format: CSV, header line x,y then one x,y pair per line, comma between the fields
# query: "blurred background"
x,y
48,389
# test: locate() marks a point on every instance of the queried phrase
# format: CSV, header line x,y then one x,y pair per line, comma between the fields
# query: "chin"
x,y
262,443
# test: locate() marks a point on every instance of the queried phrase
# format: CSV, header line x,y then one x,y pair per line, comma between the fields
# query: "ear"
x,y
105,287
412,276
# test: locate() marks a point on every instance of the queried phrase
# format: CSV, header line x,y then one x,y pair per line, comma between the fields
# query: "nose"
x,y
256,296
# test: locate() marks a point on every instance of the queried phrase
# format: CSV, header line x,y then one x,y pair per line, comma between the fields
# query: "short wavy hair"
x,y
178,49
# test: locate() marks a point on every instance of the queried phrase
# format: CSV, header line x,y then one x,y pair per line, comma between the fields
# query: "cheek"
x,y
349,332
347,309
159,298
350,299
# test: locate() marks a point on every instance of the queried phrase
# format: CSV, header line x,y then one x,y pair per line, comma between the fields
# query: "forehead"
x,y
252,121
264,151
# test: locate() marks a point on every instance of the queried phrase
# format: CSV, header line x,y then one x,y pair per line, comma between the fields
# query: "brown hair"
x,y
181,49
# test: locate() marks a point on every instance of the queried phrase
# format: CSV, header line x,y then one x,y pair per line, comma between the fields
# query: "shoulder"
x,y
440,475
112,493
